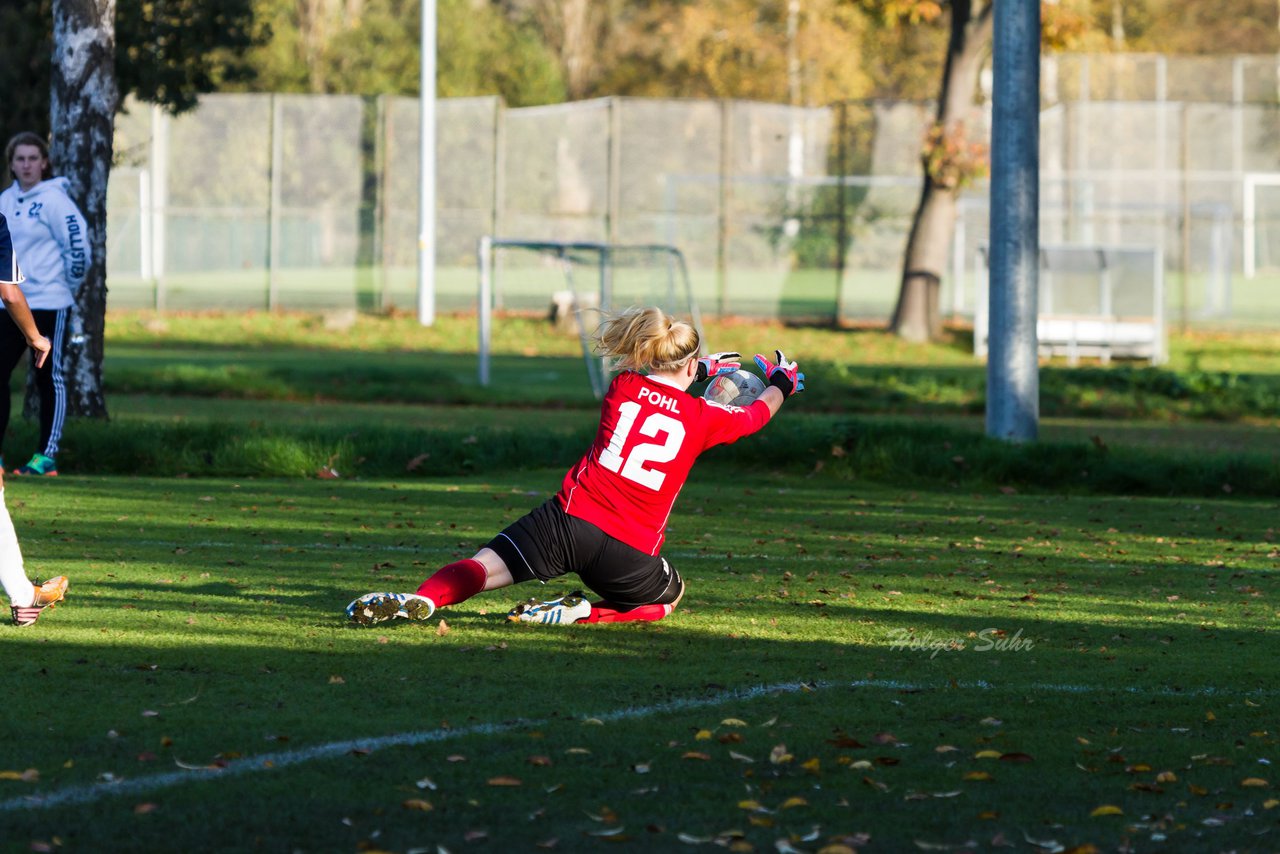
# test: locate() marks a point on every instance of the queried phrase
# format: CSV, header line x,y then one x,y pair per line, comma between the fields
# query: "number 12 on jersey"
x,y
636,465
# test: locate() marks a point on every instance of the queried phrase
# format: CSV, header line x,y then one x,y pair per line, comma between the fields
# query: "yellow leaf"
x,y
1270,804
703,735
696,754
1106,809
1256,782
31,775
1210,716
732,722
760,821
977,775
750,805
813,765
794,801
987,754
417,804
945,748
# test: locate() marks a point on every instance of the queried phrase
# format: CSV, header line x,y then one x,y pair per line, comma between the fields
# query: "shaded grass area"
x,y
392,359
447,441
799,693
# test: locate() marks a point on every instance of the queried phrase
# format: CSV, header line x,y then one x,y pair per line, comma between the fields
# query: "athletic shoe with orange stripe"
x,y
47,594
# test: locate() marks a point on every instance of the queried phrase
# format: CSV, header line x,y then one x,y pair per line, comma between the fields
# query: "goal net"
x,y
575,282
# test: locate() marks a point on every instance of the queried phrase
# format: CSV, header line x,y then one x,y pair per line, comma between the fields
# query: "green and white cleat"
x,y
563,611
373,608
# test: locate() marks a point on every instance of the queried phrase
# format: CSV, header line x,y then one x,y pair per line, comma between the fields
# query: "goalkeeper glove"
x,y
716,364
783,375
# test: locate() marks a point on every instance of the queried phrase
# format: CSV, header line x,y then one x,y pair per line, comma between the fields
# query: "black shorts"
x,y
547,543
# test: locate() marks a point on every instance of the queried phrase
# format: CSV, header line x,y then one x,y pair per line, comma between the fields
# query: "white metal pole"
x,y
427,169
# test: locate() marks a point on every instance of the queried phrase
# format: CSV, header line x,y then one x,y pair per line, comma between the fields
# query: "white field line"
x,y
75,795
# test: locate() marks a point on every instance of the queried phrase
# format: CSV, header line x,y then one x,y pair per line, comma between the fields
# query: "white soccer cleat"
x,y
562,611
373,608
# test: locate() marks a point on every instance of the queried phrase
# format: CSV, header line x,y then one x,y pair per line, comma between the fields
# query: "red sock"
x,y
605,612
454,583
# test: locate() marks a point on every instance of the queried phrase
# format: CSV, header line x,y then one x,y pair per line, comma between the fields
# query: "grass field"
x,y
936,663
863,667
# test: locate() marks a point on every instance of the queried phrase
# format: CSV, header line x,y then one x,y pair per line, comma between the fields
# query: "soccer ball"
x,y
736,389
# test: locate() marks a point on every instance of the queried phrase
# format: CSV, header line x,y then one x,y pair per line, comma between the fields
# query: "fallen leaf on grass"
x,y
31,775
539,761
740,757
794,801
1270,804
987,754
145,808
1052,846
696,754
942,846
1255,782
606,832
1106,809
442,628
505,781
1015,757
690,839
732,722
779,755
417,804
978,776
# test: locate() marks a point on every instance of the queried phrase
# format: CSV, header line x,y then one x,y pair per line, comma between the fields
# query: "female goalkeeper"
x,y
608,521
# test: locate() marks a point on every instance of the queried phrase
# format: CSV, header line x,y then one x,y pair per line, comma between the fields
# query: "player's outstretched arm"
x,y
784,379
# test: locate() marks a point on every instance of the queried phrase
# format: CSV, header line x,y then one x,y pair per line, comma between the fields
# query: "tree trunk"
x,y
917,315
83,105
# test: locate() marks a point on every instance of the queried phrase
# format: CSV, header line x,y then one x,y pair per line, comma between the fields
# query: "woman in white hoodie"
x,y
51,239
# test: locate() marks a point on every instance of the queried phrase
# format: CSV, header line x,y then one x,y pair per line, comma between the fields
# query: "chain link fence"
x,y
311,202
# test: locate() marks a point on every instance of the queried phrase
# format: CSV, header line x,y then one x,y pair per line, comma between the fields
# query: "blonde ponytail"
x,y
646,339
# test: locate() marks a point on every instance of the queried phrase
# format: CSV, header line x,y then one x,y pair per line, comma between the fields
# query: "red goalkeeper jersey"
x,y
650,434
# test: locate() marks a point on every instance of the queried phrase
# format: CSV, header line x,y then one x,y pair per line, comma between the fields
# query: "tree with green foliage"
x,y
372,48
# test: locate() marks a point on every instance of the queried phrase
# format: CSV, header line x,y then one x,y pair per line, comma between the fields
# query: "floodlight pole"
x,y
1013,380
427,168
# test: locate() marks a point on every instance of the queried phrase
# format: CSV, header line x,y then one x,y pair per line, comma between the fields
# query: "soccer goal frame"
x,y
1249,212
603,256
